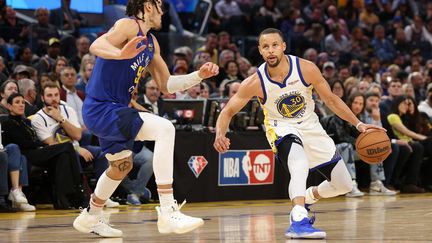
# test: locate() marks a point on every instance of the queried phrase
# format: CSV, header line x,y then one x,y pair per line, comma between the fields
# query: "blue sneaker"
x,y
304,229
133,199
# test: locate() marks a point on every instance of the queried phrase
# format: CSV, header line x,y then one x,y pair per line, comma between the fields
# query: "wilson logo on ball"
x,y
378,150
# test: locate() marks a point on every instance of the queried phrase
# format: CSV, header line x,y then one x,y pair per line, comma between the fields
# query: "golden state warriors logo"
x,y
150,47
291,105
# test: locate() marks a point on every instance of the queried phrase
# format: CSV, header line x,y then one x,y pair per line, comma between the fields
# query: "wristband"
x,y
358,124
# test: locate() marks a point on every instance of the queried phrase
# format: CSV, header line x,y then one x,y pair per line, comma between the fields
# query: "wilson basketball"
x,y
373,146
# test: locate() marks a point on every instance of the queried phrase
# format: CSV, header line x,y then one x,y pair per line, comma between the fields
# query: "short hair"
x,y
371,94
271,31
49,84
36,12
12,97
25,85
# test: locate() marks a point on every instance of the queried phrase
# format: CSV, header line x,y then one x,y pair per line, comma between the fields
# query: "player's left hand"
x,y
363,127
208,70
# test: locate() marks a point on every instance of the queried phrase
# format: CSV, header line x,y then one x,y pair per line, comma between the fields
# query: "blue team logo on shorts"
x,y
246,167
291,105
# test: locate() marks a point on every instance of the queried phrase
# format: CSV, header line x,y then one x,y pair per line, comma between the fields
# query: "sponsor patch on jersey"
x,y
291,105
197,164
246,167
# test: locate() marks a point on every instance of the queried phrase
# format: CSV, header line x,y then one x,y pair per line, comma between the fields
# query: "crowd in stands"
x,y
375,54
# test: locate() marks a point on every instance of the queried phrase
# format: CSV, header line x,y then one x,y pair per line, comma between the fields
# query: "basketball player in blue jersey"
x,y
124,53
283,85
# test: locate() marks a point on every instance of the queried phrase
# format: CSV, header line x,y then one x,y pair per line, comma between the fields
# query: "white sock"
x,y
94,208
298,213
166,197
309,197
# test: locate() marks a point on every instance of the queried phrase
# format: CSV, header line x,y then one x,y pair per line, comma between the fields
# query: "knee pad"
x,y
283,146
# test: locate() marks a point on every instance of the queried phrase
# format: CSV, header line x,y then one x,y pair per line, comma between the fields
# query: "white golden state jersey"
x,y
289,109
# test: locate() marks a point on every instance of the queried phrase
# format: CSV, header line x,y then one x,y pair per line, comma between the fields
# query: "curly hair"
x,y
135,7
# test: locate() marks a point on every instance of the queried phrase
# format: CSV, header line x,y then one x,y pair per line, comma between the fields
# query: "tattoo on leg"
x,y
122,165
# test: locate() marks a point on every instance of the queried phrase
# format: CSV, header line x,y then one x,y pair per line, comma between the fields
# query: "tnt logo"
x,y
197,164
246,167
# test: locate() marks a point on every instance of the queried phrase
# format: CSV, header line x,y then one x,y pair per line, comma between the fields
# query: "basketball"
x,y
373,146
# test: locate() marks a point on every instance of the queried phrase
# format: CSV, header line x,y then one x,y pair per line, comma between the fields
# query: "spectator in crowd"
x,y
368,19
244,65
21,72
42,31
46,63
378,172
67,19
210,46
204,90
82,46
14,31
6,89
426,104
411,171
329,70
150,97
417,81
73,98
232,88
87,64
311,55
4,190
3,74
58,123
298,41
408,90
336,44
231,16
315,36
360,43
60,63
362,86
60,158
383,48
333,18
28,90
24,56
270,9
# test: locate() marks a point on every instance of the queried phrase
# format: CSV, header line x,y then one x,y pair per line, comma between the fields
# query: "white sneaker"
x,y
17,196
111,204
98,225
377,188
355,192
171,220
25,207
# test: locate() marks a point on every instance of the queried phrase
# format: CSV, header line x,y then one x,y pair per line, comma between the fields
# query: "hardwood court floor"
x,y
404,218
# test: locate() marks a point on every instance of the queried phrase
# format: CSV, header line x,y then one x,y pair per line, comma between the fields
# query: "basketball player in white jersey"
x,y
283,85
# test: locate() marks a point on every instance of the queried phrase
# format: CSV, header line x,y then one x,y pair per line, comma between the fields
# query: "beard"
x,y
278,60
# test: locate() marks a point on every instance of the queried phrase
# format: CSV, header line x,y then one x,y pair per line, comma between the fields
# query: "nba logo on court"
x,y
197,164
246,167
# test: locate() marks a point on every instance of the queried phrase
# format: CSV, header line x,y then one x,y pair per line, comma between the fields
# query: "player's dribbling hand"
x,y
208,70
363,127
130,50
221,144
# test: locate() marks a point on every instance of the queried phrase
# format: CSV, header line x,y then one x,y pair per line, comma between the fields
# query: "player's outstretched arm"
x,y
249,88
172,83
111,44
312,75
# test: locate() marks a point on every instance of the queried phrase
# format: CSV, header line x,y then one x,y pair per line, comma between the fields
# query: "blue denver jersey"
x,y
109,91
115,80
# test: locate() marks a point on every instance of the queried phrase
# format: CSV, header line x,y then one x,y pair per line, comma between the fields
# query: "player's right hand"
x,y
130,50
221,144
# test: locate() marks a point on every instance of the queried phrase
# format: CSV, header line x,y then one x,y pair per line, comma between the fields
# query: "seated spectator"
x,y
211,46
58,123
329,70
82,47
426,105
59,158
383,48
271,10
21,72
67,19
368,19
24,56
46,63
336,44
333,18
87,64
14,31
27,89
4,190
42,31
59,64
6,89
406,177
232,18
3,71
